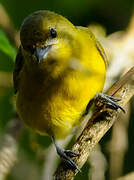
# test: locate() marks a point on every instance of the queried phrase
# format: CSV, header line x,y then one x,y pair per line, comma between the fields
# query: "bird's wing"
x,y
101,51
97,43
17,69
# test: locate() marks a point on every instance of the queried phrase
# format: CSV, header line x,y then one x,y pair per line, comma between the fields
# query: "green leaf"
x,y
6,47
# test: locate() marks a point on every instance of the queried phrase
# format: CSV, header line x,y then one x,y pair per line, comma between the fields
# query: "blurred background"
x,y
26,155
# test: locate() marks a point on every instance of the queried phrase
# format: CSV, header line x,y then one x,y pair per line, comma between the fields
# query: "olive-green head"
x,y
43,32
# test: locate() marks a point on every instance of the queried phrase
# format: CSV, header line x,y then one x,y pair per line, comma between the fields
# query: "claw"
x,y
71,163
71,153
109,100
115,99
66,155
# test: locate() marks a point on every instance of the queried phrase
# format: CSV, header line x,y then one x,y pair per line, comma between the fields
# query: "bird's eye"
x,y
53,33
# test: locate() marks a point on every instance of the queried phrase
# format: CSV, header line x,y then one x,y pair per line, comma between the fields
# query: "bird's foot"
x,y
108,100
66,156
71,153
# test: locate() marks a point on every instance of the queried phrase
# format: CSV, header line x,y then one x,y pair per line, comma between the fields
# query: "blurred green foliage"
x,y
7,55
6,109
6,47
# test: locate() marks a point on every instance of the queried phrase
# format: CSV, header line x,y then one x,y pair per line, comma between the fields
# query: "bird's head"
x,y
48,37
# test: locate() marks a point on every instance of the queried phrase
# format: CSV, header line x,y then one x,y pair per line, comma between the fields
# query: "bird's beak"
x,y
42,52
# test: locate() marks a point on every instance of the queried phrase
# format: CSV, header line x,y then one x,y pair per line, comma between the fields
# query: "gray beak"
x,y
42,52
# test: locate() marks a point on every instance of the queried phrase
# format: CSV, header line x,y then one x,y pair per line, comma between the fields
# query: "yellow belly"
x,y
56,109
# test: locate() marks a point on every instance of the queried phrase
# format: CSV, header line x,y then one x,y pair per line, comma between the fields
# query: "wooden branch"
x,y
128,176
100,122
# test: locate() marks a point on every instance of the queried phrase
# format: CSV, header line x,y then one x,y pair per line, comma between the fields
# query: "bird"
x,y
59,69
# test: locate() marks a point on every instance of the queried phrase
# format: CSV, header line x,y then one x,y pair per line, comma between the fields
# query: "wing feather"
x,y
17,69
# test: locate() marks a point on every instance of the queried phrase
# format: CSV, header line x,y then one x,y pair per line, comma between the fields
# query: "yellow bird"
x,y
59,68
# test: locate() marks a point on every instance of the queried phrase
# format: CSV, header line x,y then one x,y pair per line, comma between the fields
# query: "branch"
x,y
128,176
100,122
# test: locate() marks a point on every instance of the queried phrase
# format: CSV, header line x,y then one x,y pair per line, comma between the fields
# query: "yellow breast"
x,y
55,107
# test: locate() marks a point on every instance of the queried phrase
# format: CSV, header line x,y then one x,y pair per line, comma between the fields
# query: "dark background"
x,y
113,14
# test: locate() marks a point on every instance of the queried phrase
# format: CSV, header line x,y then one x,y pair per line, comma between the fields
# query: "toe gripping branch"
x,y
66,156
108,100
101,99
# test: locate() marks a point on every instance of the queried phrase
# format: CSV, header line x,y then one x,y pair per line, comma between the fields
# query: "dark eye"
x,y
53,33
